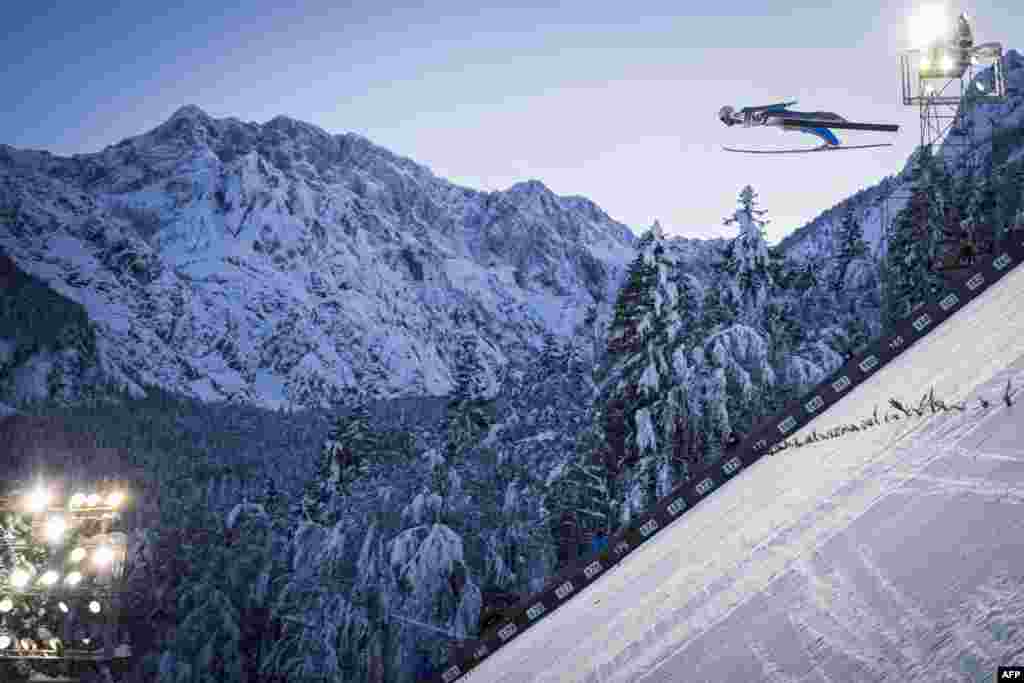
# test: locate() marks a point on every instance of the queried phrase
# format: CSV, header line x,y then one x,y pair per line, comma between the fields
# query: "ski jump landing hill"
x,y
894,551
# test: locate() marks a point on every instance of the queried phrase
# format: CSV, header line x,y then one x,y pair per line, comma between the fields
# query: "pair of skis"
x,y
819,148
806,124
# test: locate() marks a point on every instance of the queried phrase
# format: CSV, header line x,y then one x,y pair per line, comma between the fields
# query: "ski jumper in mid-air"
x,y
817,123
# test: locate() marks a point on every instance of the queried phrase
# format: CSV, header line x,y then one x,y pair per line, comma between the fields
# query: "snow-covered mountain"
x,y
278,264
1003,122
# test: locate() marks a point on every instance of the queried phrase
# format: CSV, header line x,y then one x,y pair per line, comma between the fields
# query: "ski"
x,y
821,148
838,125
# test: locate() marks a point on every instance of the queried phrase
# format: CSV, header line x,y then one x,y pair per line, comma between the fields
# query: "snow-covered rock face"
x,y
278,264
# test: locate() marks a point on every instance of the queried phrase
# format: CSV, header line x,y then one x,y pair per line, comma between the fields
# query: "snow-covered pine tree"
x,y
982,209
470,413
849,245
683,318
648,326
779,267
222,601
807,276
746,257
681,433
782,328
908,274
351,450
598,480
633,307
554,356
715,314
1009,180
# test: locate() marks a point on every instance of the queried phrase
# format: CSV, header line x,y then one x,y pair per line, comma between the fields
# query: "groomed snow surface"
x,y
892,554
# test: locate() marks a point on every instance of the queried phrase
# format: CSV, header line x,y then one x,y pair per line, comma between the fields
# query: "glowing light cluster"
x,y
930,25
113,499
20,577
37,500
104,556
55,528
65,564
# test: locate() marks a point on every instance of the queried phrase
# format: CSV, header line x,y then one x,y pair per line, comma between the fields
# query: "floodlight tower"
x,y
946,75
62,571
943,74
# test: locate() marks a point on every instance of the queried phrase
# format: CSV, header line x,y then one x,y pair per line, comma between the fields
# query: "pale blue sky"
x,y
613,101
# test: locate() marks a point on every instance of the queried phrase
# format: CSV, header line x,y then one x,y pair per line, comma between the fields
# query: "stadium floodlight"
x,y
38,500
20,578
104,555
931,25
73,578
6,605
78,554
94,607
55,528
49,578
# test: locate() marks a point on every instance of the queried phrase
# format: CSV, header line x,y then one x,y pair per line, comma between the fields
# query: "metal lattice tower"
x,y
946,81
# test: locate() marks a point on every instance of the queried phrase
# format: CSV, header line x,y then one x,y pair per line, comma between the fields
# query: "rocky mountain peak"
x,y
190,112
278,264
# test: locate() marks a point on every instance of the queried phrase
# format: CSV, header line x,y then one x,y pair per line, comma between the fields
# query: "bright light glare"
x,y
78,500
73,578
115,499
38,500
930,24
55,528
63,606
94,499
78,554
104,554
947,63
19,578
925,63
49,578
94,607
5,641
6,605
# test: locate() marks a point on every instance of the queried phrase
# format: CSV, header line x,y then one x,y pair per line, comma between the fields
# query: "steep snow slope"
x,y
882,555
275,263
